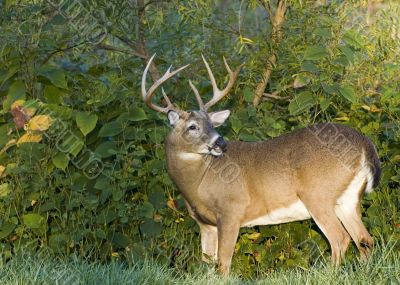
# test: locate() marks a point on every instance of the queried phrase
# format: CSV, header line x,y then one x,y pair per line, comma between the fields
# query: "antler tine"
x,y
169,103
147,95
197,94
219,94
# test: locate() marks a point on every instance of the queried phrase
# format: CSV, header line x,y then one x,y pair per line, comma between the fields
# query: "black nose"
x,y
221,143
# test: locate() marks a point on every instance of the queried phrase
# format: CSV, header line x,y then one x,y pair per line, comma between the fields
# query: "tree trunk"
x,y
277,18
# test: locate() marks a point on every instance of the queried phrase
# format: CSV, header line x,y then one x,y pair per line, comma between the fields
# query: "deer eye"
x,y
192,127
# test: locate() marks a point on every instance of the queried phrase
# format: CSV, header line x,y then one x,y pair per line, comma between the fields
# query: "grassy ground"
x,y
382,268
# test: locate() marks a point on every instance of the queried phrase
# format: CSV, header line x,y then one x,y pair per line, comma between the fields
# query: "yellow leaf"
x,y
246,40
253,236
115,254
2,169
374,109
39,123
342,119
29,137
17,103
172,204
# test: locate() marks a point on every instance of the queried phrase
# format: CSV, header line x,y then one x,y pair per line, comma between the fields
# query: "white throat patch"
x,y
189,156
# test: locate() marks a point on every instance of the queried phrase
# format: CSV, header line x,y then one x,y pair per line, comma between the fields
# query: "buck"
x,y
317,172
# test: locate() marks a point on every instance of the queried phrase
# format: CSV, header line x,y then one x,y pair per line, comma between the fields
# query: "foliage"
x,y
82,164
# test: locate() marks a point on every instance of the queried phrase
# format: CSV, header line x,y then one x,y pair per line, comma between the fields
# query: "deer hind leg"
x,y
325,217
348,211
209,242
354,226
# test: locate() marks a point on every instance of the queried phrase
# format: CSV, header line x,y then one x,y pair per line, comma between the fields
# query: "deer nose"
x,y
221,143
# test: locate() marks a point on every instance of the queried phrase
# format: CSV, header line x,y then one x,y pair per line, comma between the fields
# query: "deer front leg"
x,y
228,232
209,242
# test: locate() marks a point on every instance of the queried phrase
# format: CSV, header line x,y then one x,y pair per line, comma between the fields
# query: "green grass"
x,y
26,269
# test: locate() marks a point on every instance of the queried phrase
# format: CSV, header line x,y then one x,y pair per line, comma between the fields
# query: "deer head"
x,y
193,131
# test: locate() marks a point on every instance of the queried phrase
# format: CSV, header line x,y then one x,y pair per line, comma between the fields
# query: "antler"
x,y
148,95
218,94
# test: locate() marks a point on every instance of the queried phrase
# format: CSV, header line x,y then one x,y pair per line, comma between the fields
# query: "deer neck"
x,y
186,169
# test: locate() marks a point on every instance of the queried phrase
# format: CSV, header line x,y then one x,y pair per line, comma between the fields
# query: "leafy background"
x,y
82,161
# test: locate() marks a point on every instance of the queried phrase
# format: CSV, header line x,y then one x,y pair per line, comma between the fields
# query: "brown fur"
x,y
306,164
319,172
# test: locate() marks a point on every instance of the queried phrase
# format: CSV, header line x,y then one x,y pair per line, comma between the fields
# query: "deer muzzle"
x,y
219,146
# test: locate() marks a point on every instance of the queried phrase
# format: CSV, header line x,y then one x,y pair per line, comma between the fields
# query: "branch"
x,y
274,95
117,49
277,20
54,52
127,41
141,46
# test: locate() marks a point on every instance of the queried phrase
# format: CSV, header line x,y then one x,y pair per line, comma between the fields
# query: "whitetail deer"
x,y
317,172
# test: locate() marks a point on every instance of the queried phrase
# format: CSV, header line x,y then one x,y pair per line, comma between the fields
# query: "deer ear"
x,y
218,118
173,118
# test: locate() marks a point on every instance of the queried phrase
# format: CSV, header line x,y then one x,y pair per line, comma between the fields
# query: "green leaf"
x,y
236,124
111,129
4,189
248,137
120,240
348,53
55,76
6,229
324,104
248,95
16,92
106,149
106,216
146,210
61,160
53,95
348,92
6,74
354,39
330,89
301,80
86,122
323,33
157,199
315,53
58,241
137,114
309,66
151,228
340,61
103,183
71,143
33,221
302,102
